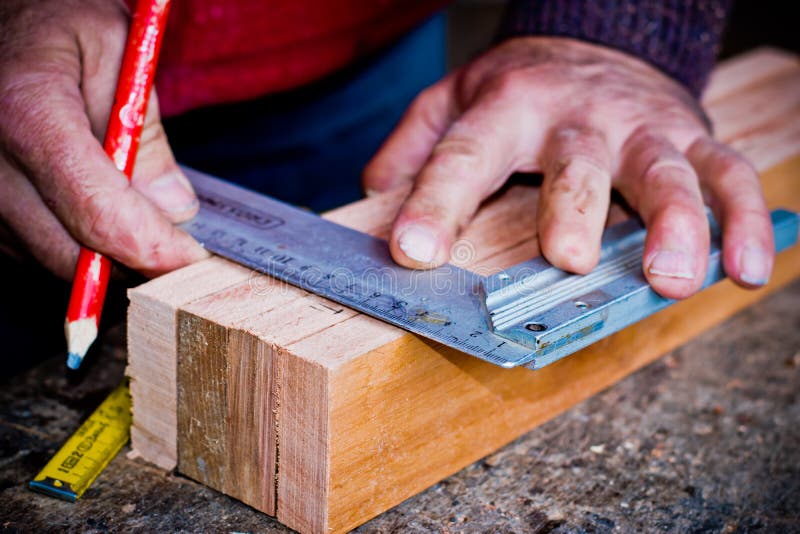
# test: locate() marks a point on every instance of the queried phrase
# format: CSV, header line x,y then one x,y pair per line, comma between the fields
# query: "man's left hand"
x,y
591,119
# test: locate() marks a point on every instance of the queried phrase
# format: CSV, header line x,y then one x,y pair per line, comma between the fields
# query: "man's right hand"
x,y
59,61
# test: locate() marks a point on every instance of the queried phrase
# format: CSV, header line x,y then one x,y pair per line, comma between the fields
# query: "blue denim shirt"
x,y
309,146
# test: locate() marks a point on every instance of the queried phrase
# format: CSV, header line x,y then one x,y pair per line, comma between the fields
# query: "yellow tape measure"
x,y
89,450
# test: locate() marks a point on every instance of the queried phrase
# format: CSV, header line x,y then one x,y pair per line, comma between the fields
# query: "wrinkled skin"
x,y
59,61
588,117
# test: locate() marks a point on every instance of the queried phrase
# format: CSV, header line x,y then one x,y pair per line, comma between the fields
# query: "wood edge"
x,y
580,388
671,325
251,422
161,287
302,450
152,445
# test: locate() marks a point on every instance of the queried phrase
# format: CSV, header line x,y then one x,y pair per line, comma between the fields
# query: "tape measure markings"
x,y
71,471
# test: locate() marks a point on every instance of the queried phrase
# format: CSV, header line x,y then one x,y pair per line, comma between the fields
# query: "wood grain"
x,y
324,417
152,327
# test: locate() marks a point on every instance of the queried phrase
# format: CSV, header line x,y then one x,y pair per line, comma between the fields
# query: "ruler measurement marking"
x,y
356,270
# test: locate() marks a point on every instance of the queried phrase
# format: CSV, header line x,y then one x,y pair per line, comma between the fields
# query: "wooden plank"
x,y
152,319
351,415
383,441
440,410
768,101
740,72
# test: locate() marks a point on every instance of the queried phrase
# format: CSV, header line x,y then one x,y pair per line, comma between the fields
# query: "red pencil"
x,y
121,144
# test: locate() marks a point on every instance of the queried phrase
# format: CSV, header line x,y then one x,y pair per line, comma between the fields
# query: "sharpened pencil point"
x,y
74,360
80,336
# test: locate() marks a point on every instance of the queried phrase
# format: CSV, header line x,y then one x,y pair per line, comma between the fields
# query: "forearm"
x,y
680,37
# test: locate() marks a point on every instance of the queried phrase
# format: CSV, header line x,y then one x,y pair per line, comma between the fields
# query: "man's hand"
x,y
590,118
59,61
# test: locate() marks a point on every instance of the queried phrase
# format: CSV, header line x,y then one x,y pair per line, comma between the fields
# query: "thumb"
x,y
157,176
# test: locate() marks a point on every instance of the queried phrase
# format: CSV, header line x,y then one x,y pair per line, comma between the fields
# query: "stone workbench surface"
x,y
707,439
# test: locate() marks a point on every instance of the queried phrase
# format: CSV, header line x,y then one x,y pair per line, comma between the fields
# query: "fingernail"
x,y
172,194
673,264
370,192
418,243
753,266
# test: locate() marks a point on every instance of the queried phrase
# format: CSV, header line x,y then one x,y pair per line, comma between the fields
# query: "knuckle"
x,y
679,216
674,113
427,96
577,181
425,109
513,84
426,204
581,140
153,133
433,200
458,145
745,202
671,171
100,224
641,138
579,132
742,213
112,16
754,216
459,156
117,19
419,105
582,169
733,168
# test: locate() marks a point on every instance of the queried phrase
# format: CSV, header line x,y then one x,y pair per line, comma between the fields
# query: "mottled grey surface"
x,y
704,440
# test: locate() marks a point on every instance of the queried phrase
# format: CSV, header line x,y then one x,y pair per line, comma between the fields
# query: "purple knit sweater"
x,y
680,37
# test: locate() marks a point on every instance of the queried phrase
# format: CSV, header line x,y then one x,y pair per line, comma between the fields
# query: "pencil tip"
x,y
80,336
74,360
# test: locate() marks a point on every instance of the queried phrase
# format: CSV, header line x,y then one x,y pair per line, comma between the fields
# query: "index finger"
x,y
479,151
50,137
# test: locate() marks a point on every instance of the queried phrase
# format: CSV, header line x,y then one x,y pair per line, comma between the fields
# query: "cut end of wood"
x,y
80,336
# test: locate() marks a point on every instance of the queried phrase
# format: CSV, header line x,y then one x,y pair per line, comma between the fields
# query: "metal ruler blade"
x,y
531,314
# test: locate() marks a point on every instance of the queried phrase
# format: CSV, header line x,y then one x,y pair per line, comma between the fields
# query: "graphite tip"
x,y
74,360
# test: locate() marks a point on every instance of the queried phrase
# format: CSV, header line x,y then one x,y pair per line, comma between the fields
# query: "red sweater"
x,y
218,51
